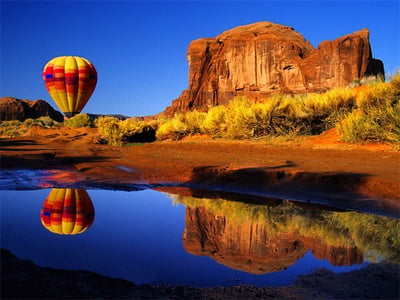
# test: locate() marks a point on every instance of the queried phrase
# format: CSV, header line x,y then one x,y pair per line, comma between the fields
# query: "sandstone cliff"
x,y
15,109
259,59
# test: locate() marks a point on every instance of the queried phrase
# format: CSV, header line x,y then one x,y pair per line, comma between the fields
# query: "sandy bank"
x,y
311,169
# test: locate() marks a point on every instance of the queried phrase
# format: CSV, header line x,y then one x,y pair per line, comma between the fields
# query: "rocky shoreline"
x,y
22,279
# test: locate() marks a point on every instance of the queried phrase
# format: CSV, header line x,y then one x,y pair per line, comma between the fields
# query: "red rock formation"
x,y
16,109
250,247
263,58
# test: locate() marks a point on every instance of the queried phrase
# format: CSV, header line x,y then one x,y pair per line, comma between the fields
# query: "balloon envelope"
x,y
70,81
67,211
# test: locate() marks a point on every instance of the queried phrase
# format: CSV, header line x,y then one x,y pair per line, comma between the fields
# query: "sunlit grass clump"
x,y
179,126
377,115
369,112
78,121
117,132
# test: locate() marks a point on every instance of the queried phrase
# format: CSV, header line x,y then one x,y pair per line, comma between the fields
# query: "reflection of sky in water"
x,y
135,235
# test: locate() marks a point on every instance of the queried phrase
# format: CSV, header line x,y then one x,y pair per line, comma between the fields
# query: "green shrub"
x,y
79,120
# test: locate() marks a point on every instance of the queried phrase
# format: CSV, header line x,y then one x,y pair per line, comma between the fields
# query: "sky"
x,y
139,47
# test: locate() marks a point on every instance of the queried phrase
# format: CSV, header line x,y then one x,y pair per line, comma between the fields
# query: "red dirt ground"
x,y
314,169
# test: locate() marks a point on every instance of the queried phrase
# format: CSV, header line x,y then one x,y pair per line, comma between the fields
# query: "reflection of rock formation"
x,y
67,211
250,246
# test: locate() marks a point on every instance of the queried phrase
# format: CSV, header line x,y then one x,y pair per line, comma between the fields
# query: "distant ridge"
x,y
16,109
117,116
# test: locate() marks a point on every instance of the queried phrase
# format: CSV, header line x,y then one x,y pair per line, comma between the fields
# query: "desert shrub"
x,y
44,122
289,116
239,119
29,122
173,129
10,128
10,123
263,118
375,123
214,121
395,82
377,117
79,120
117,132
356,127
327,109
109,128
194,120
138,131
131,126
9,131
375,95
180,125
14,127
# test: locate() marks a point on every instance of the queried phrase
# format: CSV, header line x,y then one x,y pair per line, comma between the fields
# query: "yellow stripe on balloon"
x,y
71,81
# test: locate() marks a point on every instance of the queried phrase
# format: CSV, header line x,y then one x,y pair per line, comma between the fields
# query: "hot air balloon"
x,y
70,81
67,211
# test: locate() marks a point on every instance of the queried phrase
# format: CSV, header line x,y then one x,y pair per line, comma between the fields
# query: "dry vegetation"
x,y
370,112
367,113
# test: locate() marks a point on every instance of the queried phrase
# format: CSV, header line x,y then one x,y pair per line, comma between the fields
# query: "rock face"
x,y
16,109
250,247
259,59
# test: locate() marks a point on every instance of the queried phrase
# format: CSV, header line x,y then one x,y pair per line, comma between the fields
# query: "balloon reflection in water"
x,y
67,211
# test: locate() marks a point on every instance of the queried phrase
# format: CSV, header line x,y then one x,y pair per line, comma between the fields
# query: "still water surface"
x,y
152,237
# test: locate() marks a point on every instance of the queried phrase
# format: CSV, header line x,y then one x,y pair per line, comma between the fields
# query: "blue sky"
x,y
139,47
